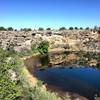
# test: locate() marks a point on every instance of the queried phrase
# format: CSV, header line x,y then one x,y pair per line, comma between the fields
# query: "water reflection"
x,y
84,81
44,60
75,59
70,71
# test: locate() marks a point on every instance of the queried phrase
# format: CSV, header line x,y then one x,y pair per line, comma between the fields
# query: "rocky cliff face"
x,y
68,39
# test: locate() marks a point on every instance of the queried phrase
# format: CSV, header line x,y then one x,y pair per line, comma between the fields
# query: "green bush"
x,y
40,29
43,47
25,29
81,28
38,93
76,28
48,29
25,52
18,88
70,28
34,48
2,29
10,29
9,89
62,28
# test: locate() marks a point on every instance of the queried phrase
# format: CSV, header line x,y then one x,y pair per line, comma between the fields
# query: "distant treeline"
x,y
41,29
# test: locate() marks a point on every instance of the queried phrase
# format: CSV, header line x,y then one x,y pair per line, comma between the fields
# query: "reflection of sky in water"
x,y
84,81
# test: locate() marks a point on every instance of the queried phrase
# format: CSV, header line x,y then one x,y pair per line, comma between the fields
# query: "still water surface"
x,y
79,78
84,81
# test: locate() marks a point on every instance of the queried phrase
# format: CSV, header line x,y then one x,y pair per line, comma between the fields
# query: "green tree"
x,y
15,30
76,28
25,29
48,29
62,28
2,29
10,29
81,28
70,28
40,29
87,28
43,47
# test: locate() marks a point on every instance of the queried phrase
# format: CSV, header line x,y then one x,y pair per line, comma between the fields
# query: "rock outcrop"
x,y
67,39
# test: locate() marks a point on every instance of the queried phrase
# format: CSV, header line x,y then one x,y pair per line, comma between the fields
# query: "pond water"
x,y
69,71
83,81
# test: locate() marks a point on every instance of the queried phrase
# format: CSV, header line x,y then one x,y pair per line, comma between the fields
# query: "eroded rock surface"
x,y
68,39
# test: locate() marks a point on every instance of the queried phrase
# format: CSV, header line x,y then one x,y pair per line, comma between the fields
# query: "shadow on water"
x,y
44,60
83,81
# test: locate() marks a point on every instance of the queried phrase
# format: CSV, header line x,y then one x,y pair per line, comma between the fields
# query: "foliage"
x,y
15,30
81,28
43,47
76,28
87,28
70,28
25,52
10,29
40,29
34,48
18,88
38,93
2,29
9,89
62,28
48,29
26,29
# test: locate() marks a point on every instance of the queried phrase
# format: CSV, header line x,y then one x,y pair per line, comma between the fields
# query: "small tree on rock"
x,y
10,29
70,28
62,28
2,29
40,29
43,47
48,29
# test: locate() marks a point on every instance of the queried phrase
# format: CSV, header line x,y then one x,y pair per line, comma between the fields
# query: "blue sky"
x,y
49,13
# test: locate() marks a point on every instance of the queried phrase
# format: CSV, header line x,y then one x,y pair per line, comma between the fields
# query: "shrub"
x,y
9,89
38,94
40,29
19,89
48,29
2,29
62,28
25,29
87,28
70,28
10,29
34,48
25,52
43,47
81,28
76,28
